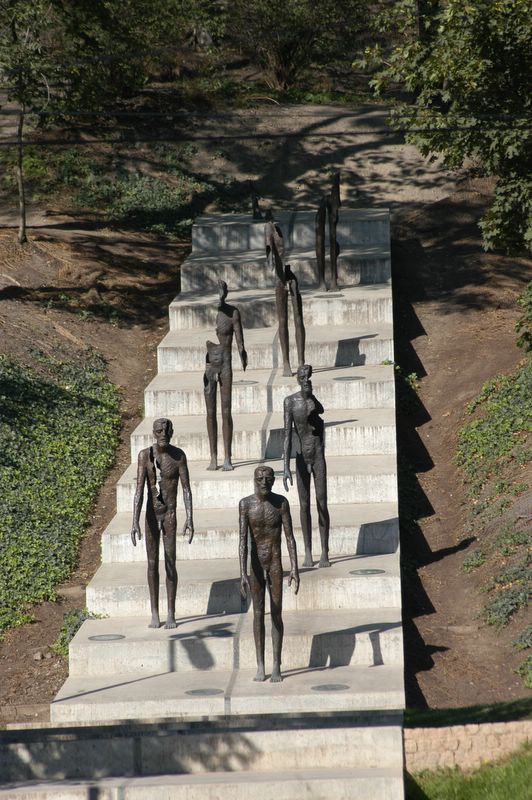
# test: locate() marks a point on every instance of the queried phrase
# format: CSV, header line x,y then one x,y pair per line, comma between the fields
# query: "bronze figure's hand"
x,y
244,586
136,533
294,576
188,526
287,478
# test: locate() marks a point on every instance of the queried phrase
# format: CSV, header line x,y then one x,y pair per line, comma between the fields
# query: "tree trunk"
x,y
20,180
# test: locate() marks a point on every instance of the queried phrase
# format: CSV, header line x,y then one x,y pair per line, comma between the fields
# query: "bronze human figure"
x,y
286,284
262,515
301,411
319,226
218,370
333,205
161,466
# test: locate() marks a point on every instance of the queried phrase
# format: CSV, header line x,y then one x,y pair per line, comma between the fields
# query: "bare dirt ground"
x,y
455,317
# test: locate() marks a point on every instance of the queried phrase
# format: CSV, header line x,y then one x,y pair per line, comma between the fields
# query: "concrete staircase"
x,y
333,727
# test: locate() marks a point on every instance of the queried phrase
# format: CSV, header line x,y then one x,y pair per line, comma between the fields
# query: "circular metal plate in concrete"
x,y
244,383
107,637
367,571
348,378
204,692
330,687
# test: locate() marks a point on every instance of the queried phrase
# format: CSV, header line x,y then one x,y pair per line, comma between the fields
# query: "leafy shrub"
x,y
72,622
58,433
505,603
524,670
523,325
474,560
524,640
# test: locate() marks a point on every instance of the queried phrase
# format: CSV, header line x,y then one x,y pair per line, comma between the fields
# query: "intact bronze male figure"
x,y
262,515
285,285
219,370
161,466
302,412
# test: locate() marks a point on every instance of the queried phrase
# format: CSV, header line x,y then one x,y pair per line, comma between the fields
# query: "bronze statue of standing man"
x,y
302,412
161,466
219,370
263,515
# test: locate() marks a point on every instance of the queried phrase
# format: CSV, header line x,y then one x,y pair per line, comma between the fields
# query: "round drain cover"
x,y
106,637
330,687
204,692
367,571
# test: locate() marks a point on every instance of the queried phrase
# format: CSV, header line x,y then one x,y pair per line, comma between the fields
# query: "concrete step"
x,y
335,346
350,479
248,269
215,693
356,528
347,432
213,587
181,393
221,232
365,637
291,784
353,305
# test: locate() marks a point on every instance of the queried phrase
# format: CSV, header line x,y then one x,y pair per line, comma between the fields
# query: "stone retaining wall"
x,y
464,746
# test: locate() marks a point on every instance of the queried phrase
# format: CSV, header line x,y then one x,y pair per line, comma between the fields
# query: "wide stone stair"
x,y
175,713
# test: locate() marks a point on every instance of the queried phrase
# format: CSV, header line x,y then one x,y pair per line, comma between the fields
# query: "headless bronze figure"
x,y
219,370
161,466
286,284
302,410
329,206
262,515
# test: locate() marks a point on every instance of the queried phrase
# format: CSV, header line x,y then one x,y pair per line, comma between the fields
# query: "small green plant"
x,y
524,640
523,325
72,622
474,560
505,603
524,670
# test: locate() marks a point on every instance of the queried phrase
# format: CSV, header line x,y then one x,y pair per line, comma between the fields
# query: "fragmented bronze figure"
x,y
161,466
329,206
286,284
263,515
218,370
302,410
319,226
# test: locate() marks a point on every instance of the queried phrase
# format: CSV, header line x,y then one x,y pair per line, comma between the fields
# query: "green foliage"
x,y
72,622
505,603
524,640
474,560
504,415
469,68
468,715
510,777
524,670
523,326
58,432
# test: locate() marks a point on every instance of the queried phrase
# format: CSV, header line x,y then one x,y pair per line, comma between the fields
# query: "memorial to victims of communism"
x,y
262,651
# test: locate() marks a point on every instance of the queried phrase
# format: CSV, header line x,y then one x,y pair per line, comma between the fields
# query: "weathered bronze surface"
x,y
319,226
161,466
219,370
333,205
262,516
302,412
286,284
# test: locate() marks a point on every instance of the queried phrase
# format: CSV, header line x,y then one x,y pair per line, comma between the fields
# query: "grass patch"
x,y
510,777
59,427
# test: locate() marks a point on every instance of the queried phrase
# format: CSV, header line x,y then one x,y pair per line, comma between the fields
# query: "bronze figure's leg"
x,y
209,390
319,227
281,301
169,534
152,535
334,248
303,490
257,584
319,470
275,587
226,385
297,308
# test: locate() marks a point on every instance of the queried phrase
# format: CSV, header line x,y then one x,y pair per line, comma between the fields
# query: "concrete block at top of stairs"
x,y
220,232
326,347
353,305
355,479
213,587
356,528
181,393
366,637
249,270
313,784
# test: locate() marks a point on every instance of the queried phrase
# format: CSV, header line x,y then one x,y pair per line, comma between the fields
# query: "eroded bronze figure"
x,y
329,206
219,371
286,284
161,466
302,413
263,515
319,227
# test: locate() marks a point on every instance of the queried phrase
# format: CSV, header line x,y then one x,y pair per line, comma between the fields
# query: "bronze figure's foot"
x,y
308,562
324,561
155,621
227,467
261,675
287,372
276,676
213,465
170,622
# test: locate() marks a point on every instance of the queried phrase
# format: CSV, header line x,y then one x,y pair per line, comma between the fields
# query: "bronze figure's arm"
x,y
137,502
291,545
243,547
187,497
287,443
239,336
